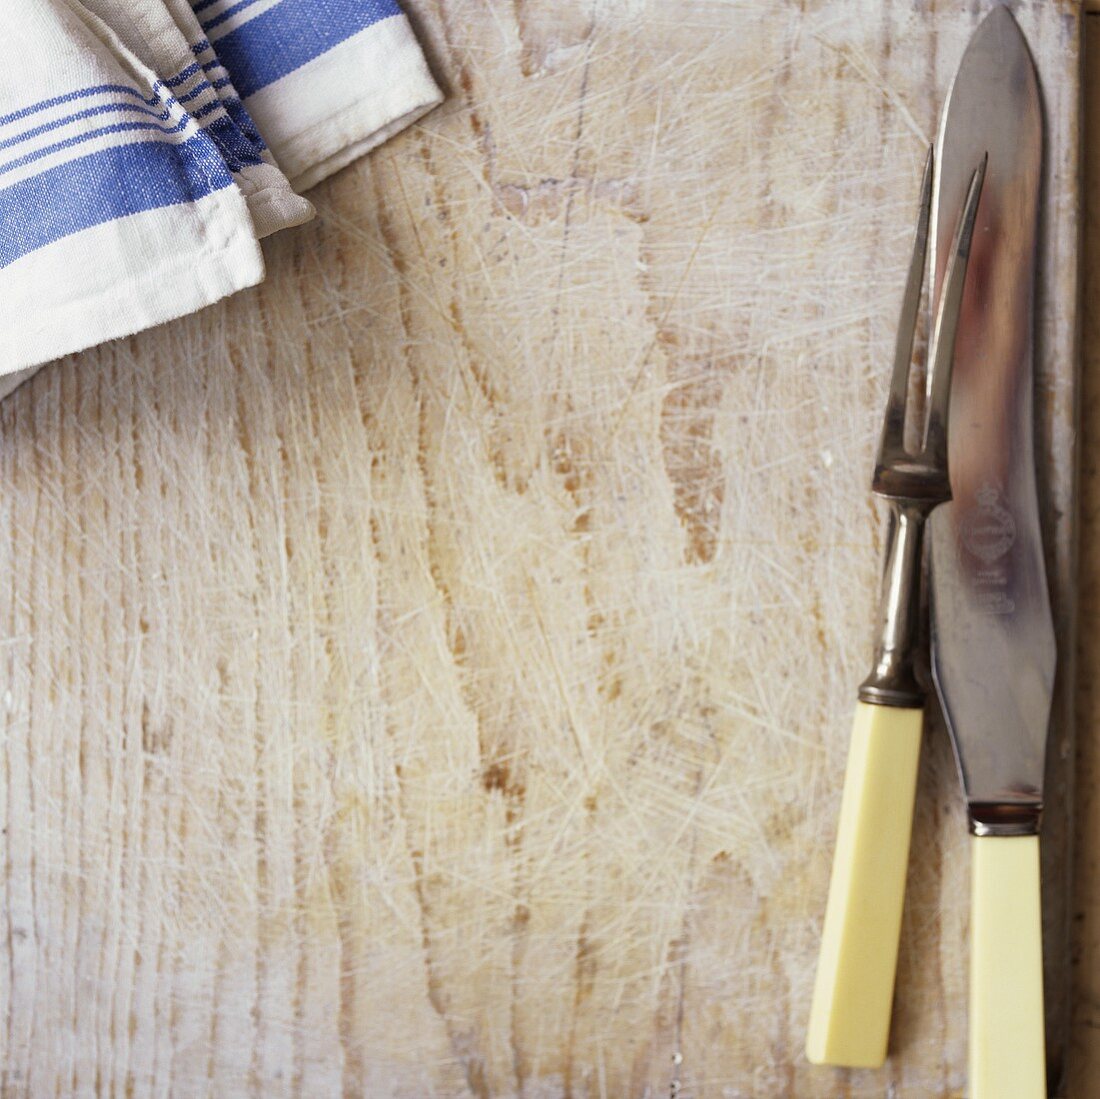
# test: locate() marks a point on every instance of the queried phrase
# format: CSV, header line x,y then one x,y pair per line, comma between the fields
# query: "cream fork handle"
x,y
853,992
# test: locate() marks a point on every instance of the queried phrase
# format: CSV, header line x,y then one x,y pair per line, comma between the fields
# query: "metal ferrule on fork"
x,y
893,681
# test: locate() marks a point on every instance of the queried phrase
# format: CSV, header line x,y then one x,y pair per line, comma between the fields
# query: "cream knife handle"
x,y
1007,1053
853,993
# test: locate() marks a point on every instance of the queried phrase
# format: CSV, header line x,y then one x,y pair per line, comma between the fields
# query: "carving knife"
x,y
992,635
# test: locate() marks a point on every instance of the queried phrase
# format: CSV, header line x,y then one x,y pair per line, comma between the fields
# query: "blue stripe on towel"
x,y
292,34
112,89
80,93
124,89
88,112
200,88
183,75
234,131
236,148
104,185
233,106
228,13
79,139
235,109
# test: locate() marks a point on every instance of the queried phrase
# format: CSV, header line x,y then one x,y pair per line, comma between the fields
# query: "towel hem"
x,y
184,284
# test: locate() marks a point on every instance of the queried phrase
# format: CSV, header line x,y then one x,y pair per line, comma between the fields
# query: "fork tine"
x,y
892,440
942,353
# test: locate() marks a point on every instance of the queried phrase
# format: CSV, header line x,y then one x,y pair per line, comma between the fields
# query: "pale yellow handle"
x,y
1007,1052
853,994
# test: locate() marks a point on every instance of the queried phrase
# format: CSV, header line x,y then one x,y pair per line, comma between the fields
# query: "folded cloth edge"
x,y
346,101
182,284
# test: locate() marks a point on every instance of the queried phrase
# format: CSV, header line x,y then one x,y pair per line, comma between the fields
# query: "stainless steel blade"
x,y
993,646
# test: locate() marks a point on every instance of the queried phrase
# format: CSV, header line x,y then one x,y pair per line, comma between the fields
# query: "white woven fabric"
x,y
146,146
161,34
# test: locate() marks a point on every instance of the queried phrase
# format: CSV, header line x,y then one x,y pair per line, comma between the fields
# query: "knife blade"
x,y
992,634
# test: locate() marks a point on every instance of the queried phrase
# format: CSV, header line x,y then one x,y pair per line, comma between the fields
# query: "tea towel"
x,y
145,145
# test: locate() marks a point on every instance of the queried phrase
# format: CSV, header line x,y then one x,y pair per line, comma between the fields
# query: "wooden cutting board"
x,y
431,672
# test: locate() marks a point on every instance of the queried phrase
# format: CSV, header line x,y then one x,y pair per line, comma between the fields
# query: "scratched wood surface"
x,y
430,673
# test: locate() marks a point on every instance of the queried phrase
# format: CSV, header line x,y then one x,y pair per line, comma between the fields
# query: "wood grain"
x,y
1085,1049
429,674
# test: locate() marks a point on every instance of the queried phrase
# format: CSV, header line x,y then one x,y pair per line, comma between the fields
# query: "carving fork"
x,y
853,992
